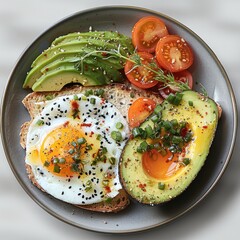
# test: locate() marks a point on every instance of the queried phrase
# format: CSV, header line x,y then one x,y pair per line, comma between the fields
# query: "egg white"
x,y
103,117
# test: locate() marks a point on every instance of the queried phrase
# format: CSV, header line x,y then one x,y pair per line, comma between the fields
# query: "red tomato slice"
x,y
140,76
183,76
140,110
173,53
146,33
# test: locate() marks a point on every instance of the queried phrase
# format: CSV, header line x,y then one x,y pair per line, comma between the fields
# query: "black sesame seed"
x,y
62,192
69,187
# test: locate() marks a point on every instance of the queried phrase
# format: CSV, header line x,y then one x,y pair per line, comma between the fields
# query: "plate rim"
x,y
149,11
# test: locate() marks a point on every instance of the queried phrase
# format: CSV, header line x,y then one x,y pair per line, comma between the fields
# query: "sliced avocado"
x,y
71,56
106,35
170,177
93,44
56,79
102,51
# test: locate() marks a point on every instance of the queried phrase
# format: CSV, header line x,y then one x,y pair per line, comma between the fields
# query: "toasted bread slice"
x,y
121,95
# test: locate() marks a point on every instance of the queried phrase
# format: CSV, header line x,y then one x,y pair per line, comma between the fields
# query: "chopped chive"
x,y
177,139
75,167
99,137
75,97
112,160
105,182
76,157
62,160
92,101
154,118
88,147
158,109
73,143
56,168
55,160
143,146
190,103
174,122
171,98
149,130
40,122
136,132
103,158
178,98
84,98
132,95
119,125
175,99
88,92
186,161
46,164
108,200
104,150
71,151
167,125
116,135
49,97
188,137
161,185
81,140
99,92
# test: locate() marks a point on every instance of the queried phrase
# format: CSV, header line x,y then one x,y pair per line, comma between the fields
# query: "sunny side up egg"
x,y
73,147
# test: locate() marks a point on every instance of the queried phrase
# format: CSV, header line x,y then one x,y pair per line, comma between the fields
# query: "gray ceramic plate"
x,y
206,70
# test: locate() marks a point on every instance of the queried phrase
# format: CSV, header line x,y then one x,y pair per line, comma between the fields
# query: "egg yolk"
x,y
64,151
160,166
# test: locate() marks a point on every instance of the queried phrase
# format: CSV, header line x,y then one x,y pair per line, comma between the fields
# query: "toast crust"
x,y
121,95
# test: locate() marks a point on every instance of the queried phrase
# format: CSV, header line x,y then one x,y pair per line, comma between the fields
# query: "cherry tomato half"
x,y
140,110
183,76
173,53
140,76
146,33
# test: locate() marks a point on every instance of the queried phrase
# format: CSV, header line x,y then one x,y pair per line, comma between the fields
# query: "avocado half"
x,y
201,115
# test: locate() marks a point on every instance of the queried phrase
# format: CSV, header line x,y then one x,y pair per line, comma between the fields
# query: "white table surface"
x,y
217,22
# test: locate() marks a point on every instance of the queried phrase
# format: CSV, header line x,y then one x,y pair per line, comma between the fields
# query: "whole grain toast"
x,y
120,95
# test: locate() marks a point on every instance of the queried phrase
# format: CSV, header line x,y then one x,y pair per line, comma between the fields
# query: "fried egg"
x,y
73,147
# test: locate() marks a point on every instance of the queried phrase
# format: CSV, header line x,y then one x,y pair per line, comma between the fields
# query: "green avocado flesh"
x,y
197,112
85,52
